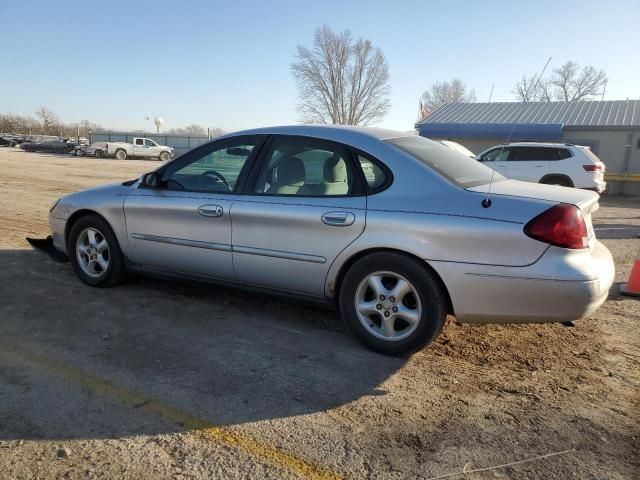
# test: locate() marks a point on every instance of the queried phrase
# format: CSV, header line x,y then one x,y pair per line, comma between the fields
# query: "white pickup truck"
x,y
140,148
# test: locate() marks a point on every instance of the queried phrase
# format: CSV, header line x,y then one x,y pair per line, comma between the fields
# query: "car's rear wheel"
x,y
164,157
393,303
99,154
121,154
94,252
80,152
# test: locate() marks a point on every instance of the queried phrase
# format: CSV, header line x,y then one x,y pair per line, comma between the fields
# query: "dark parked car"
x,y
7,142
56,146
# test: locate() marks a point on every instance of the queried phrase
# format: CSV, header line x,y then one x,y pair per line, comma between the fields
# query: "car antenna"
x,y
486,202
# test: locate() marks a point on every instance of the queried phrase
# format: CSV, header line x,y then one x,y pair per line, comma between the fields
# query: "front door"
x,y
304,207
184,224
496,159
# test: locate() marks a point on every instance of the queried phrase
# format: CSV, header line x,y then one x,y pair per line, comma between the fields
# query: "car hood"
x,y
95,199
586,200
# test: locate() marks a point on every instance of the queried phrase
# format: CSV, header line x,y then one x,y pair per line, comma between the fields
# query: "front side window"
x,y
150,143
457,168
305,167
215,170
496,155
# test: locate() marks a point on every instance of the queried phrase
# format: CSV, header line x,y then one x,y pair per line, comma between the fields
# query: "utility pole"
x,y
491,94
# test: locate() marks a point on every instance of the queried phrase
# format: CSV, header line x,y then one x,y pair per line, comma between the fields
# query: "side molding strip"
x,y
181,241
302,257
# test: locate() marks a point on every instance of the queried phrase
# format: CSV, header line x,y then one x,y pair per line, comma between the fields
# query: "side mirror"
x,y
151,180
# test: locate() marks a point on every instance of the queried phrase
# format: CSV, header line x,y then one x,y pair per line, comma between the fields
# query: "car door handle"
x,y
210,210
338,219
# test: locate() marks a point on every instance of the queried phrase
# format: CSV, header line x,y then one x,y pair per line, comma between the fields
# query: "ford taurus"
x,y
395,230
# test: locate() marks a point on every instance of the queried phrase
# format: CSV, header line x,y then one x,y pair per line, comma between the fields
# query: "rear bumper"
x,y
559,287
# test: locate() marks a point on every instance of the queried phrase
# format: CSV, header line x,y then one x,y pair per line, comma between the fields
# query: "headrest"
x,y
335,170
291,172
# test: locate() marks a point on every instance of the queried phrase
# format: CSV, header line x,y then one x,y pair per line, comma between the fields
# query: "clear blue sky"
x,y
226,63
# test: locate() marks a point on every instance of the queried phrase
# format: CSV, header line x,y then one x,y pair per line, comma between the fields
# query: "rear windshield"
x,y
462,170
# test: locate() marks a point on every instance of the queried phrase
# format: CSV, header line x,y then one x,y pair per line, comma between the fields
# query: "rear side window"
x,y
139,141
563,153
457,168
537,154
373,174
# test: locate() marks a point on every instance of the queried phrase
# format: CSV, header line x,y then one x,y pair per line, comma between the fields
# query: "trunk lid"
x,y
585,200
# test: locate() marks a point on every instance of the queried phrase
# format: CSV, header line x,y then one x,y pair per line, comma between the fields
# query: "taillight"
x,y
562,225
593,167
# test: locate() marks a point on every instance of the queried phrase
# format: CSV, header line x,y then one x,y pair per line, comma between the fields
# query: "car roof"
x,y
537,144
328,132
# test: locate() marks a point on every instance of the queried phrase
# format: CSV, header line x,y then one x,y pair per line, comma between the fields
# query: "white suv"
x,y
552,163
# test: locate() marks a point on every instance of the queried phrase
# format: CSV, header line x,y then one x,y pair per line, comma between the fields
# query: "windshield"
x,y
460,169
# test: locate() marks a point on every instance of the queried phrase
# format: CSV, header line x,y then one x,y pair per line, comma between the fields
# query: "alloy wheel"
x,y
388,305
92,252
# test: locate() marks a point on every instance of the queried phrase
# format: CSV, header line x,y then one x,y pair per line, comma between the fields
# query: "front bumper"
x,y
57,227
561,286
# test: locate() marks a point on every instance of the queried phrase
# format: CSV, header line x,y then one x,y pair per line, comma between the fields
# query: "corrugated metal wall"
x,y
180,143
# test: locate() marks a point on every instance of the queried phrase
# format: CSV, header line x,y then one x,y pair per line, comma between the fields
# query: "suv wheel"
x,y
393,303
557,180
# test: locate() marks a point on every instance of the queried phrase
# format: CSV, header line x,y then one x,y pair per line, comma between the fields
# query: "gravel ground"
x,y
158,379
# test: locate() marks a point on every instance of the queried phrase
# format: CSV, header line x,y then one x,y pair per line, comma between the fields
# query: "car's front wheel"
x,y
393,303
94,252
164,157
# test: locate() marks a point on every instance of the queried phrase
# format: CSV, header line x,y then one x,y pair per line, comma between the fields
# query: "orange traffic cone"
x,y
632,287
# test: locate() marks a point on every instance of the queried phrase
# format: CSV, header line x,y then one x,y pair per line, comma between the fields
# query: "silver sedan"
x,y
395,230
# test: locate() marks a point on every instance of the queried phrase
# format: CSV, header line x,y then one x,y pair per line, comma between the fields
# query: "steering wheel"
x,y
217,176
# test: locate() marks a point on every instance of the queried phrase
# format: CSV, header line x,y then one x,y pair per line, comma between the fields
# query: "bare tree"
x,y
216,132
568,83
529,89
195,130
444,92
341,81
573,83
48,118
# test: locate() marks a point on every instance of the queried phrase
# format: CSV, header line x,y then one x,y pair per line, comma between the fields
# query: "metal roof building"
x,y
610,128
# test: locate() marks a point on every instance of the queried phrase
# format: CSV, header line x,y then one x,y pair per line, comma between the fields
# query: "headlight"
x,y
53,205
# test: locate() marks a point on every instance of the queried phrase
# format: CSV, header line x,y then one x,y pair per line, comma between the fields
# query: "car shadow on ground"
x,y
222,355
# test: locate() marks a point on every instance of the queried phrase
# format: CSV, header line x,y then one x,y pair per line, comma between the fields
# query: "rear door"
x,y
530,164
138,147
303,205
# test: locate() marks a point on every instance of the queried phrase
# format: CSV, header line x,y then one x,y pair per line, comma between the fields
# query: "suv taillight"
x,y
562,225
593,167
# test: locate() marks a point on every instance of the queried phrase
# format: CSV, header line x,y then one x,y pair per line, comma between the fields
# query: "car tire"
x,y
557,180
95,264
80,152
164,157
384,323
99,154
121,154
